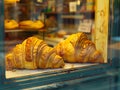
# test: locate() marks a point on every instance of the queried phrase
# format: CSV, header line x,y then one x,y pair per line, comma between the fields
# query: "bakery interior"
x,y
50,22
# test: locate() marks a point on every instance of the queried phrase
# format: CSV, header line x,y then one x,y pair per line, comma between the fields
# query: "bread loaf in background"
x,y
29,24
11,24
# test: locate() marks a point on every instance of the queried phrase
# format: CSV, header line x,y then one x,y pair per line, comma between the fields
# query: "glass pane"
x,y
67,34
115,33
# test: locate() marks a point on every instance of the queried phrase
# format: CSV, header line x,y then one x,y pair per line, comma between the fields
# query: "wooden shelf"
x,y
72,16
25,30
82,12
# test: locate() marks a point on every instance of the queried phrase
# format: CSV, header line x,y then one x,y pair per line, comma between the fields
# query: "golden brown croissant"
x,y
33,53
78,48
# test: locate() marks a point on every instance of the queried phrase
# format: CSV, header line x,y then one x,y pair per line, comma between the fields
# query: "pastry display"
x,y
11,24
29,24
33,53
78,48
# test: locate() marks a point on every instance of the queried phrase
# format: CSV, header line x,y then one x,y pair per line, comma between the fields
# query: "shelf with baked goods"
x,y
50,59
25,25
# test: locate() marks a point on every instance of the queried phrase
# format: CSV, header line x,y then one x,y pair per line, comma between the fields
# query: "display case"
x,y
59,44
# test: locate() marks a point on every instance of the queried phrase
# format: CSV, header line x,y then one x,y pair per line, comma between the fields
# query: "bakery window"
x,y
54,35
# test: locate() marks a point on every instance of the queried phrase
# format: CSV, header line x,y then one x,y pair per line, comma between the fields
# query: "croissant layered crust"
x,y
33,53
78,48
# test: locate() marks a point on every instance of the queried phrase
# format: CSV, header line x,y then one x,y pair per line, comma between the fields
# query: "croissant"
x,y
78,48
33,53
